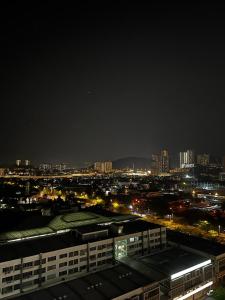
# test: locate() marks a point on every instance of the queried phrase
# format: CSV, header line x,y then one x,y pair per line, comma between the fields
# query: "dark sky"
x,y
97,82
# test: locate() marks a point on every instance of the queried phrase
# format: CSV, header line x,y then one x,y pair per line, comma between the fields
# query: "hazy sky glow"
x,y
92,82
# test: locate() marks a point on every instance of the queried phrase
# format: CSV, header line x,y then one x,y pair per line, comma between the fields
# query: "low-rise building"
x,y
116,283
213,250
33,263
181,274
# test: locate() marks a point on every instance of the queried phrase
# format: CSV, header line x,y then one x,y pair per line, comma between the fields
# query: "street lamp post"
x,y
171,214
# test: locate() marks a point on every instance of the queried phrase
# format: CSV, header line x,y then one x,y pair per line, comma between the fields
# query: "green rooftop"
x,y
64,222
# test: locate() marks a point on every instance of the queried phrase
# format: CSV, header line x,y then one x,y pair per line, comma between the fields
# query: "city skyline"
x,y
83,84
181,159
112,157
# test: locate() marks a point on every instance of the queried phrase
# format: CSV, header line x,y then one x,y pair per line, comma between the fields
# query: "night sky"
x,y
97,82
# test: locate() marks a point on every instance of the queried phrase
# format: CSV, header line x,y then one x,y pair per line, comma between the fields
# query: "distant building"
x,y
222,176
223,163
203,159
60,167
187,159
103,167
155,164
27,163
2,171
45,167
164,163
18,162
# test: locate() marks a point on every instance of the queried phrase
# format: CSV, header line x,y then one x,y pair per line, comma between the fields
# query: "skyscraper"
x,y
45,167
164,164
103,167
27,163
18,162
187,158
203,159
155,164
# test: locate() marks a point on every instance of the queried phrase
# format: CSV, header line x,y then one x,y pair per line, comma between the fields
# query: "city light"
x,y
115,204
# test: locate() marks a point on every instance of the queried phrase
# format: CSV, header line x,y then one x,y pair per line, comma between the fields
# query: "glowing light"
x,y
195,291
188,270
115,204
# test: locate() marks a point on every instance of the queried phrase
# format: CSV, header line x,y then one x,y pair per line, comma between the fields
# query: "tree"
x,y
223,205
219,293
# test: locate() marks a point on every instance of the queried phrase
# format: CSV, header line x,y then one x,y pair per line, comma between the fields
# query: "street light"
x,y
218,229
171,214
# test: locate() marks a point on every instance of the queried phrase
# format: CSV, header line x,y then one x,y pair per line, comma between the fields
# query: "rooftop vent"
x,y
125,275
98,284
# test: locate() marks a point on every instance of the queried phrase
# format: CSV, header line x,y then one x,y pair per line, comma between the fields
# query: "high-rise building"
x,y
27,163
60,167
187,159
18,162
164,164
45,167
2,171
203,159
108,166
155,164
103,166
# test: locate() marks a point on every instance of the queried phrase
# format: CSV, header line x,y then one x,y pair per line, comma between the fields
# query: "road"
x,y
175,225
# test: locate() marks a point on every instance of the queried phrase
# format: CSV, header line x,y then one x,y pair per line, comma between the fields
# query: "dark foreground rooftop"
x,y
204,245
15,250
166,263
102,285
68,221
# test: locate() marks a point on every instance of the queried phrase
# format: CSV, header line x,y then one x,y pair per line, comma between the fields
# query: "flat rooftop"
x,y
65,222
162,265
131,226
201,244
138,225
102,285
15,250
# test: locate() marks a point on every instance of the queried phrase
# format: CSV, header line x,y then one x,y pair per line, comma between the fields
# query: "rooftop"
x,y
166,263
138,225
201,244
26,248
65,222
105,284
